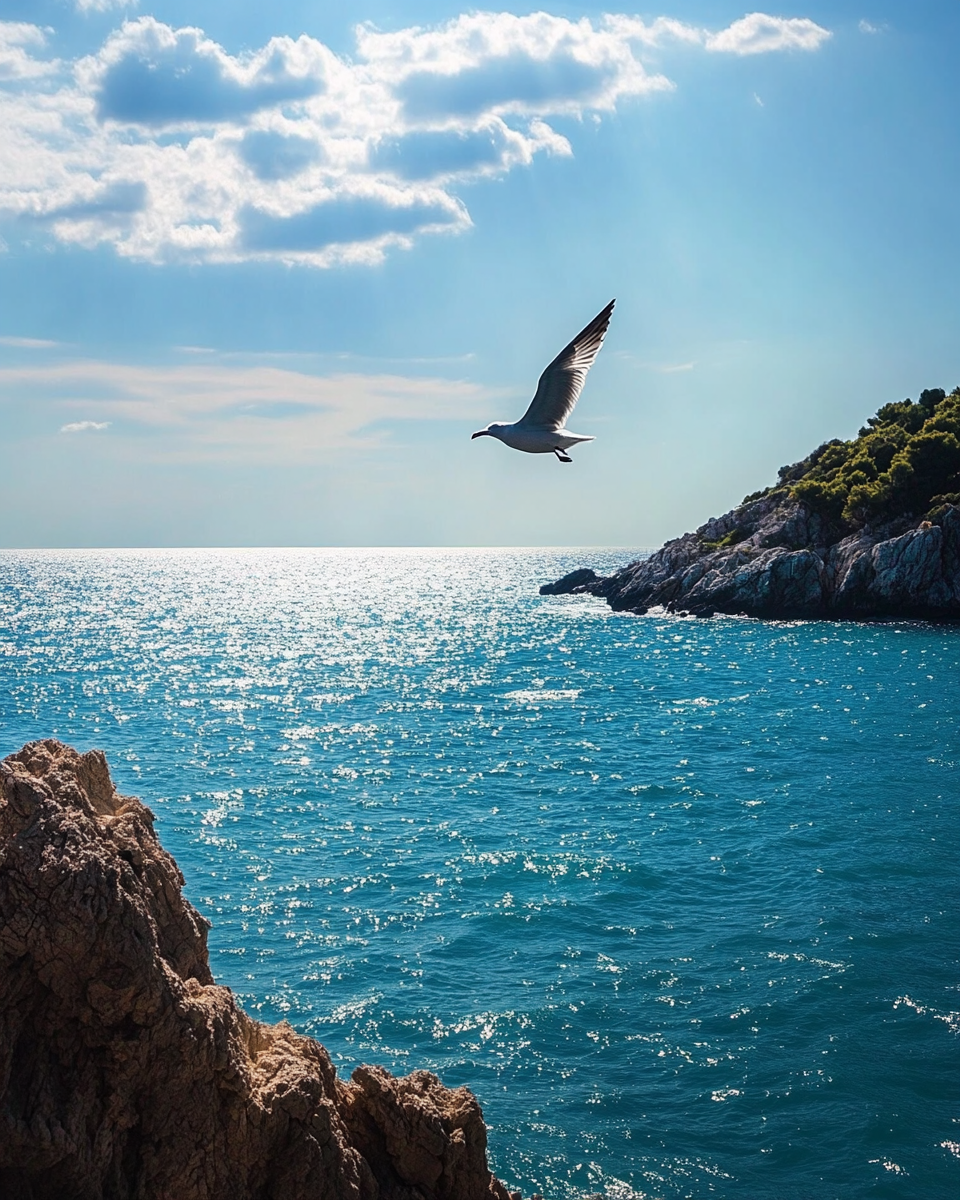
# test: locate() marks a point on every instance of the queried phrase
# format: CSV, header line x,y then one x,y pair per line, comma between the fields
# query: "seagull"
x,y
540,430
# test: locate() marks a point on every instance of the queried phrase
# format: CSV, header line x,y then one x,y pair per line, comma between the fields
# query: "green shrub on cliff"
x,y
904,460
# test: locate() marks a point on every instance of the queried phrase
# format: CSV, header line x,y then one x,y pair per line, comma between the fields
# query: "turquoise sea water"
x,y
677,899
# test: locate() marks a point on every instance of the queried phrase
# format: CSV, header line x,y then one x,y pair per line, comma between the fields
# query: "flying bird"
x,y
541,428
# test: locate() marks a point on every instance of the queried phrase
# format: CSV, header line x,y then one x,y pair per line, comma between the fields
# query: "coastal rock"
x,y
774,557
415,1132
575,581
126,1073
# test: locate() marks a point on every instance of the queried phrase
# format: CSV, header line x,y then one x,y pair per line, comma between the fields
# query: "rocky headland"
x,y
126,1073
863,529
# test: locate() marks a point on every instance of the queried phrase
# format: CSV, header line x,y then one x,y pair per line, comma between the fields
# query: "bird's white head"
x,y
490,431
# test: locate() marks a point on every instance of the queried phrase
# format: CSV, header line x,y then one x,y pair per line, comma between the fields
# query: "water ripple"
x,y
676,898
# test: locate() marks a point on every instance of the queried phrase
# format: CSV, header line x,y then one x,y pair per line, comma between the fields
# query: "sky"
x,y
265,268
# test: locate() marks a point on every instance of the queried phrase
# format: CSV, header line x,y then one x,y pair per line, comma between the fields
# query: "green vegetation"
x,y
733,538
905,460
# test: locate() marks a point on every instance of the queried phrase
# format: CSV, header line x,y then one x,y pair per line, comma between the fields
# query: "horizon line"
x,y
311,546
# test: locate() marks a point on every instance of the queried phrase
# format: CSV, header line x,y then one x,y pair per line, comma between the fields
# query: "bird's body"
x,y
541,429
532,439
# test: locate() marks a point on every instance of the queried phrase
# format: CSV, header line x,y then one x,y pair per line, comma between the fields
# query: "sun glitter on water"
x,y
673,897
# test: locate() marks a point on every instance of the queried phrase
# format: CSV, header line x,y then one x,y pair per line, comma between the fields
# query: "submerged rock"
x,y
126,1073
774,557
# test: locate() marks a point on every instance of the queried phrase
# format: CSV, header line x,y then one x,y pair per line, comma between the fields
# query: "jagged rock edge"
x,y
126,1073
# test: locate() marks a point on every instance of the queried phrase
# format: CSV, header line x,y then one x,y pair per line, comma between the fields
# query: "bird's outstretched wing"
x,y
562,382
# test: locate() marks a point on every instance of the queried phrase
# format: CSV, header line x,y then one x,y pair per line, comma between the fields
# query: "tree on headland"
x,y
904,461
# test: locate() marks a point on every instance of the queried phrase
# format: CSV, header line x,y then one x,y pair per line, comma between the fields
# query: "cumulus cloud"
x,y
760,34
18,40
114,198
263,414
348,220
166,147
271,154
150,75
500,63
449,153
84,426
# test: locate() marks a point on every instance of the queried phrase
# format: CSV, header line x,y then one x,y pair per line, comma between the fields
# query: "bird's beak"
x,y
480,433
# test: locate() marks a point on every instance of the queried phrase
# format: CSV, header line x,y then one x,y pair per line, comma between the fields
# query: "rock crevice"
x,y
126,1073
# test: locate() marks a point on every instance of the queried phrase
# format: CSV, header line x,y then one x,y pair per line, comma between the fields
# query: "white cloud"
x,y
84,426
657,33
869,27
202,411
17,40
166,147
150,75
26,343
760,34
100,6
484,63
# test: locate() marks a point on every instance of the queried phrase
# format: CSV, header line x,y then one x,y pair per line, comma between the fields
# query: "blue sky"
x,y
264,268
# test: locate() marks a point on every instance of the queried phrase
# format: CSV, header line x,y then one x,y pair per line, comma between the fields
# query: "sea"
x,y
677,899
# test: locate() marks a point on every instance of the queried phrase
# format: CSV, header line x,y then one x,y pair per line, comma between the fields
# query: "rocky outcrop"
x,y
126,1073
572,582
774,557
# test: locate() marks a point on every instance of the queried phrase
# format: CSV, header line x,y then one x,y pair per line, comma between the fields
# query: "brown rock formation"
x,y
126,1073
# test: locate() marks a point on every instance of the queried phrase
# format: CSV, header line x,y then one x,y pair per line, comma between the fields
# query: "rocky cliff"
x,y
773,557
865,528
126,1073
